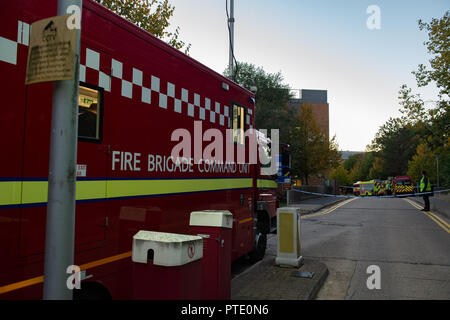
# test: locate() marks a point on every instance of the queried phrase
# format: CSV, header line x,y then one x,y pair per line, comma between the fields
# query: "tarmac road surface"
x,y
407,251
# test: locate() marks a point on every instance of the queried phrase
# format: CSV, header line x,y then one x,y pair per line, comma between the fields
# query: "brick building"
x,y
317,100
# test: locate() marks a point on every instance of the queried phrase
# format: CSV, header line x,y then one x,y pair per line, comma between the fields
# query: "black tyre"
x,y
260,248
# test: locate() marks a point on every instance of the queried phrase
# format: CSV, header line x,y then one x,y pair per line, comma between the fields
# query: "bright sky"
x,y
321,44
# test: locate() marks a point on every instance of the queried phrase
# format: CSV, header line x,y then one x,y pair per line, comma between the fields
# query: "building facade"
x,y
317,100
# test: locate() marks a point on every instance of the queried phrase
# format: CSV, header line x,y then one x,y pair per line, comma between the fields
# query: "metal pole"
x,y
59,239
231,24
437,171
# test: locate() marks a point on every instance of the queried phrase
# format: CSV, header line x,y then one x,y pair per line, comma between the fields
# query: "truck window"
x,y
89,113
238,124
403,183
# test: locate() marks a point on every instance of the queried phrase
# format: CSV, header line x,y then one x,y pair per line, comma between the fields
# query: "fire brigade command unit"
x,y
135,91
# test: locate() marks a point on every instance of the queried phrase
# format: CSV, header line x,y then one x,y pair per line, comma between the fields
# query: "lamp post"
x,y
437,170
231,30
60,230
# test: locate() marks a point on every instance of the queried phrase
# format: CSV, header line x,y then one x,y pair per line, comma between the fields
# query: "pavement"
x,y
266,281
343,244
439,203
409,247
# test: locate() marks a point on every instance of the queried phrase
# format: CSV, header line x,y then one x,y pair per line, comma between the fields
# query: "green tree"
x,y
311,152
351,161
341,175
433,125
438,47
422,160
150,15
272,97
377,169
394,145
361,169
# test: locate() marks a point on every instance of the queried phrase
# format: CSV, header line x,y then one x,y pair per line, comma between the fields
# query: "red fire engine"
x,y
402,185
135,90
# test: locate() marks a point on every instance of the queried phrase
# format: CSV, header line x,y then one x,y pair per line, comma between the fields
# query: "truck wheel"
x,y
260,247
91,291
262,227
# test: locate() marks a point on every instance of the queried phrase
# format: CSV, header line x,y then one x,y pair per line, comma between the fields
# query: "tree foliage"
x,y
438,46
422,160
272,97
341,175
394,144
412,142
361,168
150,15
311,152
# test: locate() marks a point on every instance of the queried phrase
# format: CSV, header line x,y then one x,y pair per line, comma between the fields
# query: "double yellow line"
x,y
439,221
327,211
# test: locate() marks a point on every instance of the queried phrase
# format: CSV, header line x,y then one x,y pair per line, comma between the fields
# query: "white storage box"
x,y
169,249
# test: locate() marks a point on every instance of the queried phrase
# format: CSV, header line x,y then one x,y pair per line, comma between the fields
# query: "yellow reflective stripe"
x,y
34,191
87,190
127,188
29,192
262,183
10,192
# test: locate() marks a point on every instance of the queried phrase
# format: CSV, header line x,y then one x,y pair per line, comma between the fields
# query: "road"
x,y
411,249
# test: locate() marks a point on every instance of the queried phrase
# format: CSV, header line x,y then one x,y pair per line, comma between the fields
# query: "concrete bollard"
x,y
288,248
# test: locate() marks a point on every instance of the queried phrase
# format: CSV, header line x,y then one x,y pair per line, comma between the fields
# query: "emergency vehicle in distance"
x,y
402,185
135,90
366,188
356,188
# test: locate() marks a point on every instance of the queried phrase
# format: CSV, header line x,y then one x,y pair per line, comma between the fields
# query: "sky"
x,y
322,44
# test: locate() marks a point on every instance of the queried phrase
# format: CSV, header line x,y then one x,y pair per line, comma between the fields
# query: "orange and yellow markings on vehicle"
x,y
245,220
40,279
403,189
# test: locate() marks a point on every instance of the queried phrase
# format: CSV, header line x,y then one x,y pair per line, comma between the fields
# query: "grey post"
x,y
437,170
60,232
231,24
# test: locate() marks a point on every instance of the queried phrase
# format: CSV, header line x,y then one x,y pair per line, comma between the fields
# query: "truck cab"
x,y
402,185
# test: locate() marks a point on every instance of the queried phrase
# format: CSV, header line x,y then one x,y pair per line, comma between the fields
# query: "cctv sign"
x,y
52,51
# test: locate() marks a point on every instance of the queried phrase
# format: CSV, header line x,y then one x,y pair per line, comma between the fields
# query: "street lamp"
x,y
437,170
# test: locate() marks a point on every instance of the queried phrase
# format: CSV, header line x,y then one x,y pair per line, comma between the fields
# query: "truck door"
x,y
90,221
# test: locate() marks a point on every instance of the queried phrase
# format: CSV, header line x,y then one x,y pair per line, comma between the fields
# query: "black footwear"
x,y
424,210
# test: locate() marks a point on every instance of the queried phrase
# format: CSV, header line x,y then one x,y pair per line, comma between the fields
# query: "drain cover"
x,y
302,274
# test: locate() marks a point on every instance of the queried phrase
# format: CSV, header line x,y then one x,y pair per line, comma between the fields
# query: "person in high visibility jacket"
x,y
388,188
375,189
425,186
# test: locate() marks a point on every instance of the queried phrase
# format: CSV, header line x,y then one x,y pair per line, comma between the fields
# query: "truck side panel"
x,y
149,89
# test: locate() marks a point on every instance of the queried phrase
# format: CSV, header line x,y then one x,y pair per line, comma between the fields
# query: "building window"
x,y
238,124
90,110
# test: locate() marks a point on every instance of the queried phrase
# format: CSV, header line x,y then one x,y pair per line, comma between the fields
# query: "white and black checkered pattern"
x,y
9,48
191,105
